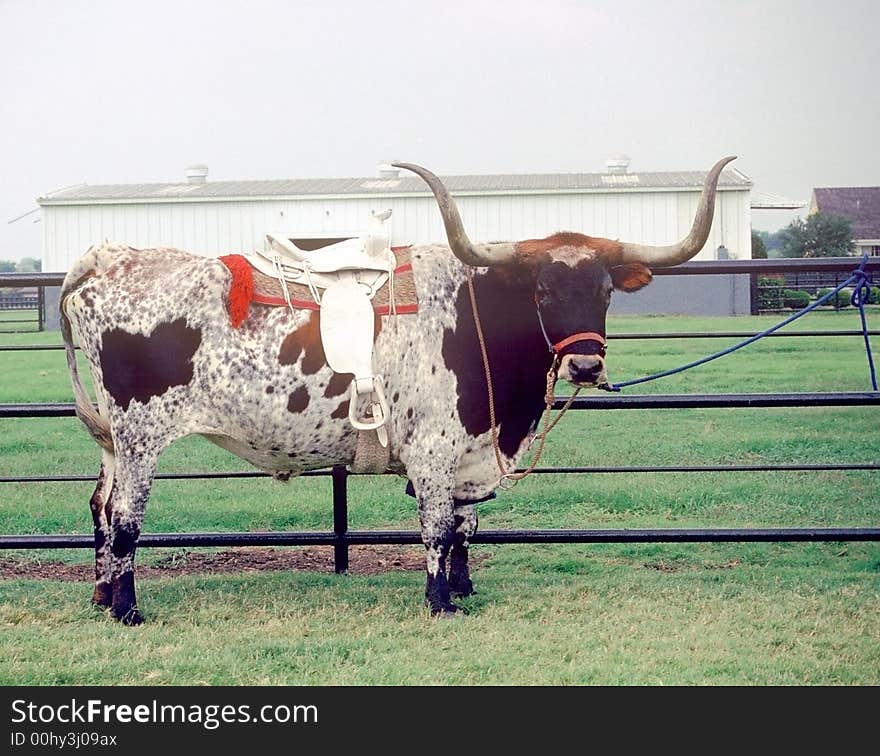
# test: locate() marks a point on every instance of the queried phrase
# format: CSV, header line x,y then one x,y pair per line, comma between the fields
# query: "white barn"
x,y
219,217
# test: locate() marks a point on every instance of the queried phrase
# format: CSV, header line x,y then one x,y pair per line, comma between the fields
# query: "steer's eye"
x,y
543,296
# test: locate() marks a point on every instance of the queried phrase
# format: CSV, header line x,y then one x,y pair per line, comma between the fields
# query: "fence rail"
x,y
341,538
608,402
402,537
610,337
244,474
698,268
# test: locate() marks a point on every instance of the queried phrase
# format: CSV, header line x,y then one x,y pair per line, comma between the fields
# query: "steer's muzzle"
x,y
584,370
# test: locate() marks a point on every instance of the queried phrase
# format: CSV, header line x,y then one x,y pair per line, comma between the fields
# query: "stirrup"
x,y
379,405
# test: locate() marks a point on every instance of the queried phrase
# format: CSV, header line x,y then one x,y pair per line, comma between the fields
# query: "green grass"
x,y
566,615
631,614
18,320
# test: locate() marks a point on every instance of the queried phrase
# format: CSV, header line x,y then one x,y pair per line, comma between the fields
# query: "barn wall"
x,y
687,295
212,228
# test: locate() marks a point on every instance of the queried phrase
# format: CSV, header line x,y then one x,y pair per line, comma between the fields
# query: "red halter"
x,y
586,336
557,348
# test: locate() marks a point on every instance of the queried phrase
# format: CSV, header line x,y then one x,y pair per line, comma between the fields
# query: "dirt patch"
x,y
363,560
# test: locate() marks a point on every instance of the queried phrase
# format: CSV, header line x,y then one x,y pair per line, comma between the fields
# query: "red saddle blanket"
x,y
250,286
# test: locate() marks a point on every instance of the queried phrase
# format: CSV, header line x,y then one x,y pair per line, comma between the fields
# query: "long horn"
x,y
469,253
689,246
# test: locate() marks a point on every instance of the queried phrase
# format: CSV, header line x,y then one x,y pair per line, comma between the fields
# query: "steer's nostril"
x,y
585,372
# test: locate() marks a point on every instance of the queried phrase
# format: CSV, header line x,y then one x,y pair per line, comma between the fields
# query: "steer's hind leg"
x,y
465,522
131,489
100,506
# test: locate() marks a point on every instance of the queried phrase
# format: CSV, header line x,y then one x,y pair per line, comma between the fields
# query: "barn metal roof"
x,y
767,201
532,183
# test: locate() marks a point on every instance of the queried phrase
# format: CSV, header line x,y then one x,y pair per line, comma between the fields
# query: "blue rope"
x,y
859,298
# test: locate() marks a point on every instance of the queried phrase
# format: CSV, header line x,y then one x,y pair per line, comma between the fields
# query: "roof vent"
x,y
196,174
617,163
388,171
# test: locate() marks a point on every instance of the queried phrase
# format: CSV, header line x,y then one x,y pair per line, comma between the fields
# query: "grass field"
x,y
12,321
615,614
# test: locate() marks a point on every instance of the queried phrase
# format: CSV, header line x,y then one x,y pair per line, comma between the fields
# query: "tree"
x,y
7,266
771,241
29,265
759,249
820,236
794,239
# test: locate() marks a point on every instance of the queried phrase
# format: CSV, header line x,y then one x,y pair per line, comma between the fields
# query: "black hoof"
x,y
445,612
131,618
438,609
463,589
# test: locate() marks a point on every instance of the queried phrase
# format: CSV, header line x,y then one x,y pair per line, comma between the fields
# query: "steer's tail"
x,y
85,410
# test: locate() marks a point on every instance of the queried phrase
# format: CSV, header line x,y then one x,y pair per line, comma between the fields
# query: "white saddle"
x,y
342,278
321,268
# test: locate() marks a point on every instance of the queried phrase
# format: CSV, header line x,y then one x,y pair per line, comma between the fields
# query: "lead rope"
x,y
859,298
511,479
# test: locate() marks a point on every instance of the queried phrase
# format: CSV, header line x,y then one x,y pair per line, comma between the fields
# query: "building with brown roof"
x,y
860,205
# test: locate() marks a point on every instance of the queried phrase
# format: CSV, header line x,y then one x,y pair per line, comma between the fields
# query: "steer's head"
x,y
574,275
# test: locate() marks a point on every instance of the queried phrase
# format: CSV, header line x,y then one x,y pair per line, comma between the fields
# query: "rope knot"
x,y
862,290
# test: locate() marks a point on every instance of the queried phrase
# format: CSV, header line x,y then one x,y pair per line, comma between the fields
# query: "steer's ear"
x,y
630,277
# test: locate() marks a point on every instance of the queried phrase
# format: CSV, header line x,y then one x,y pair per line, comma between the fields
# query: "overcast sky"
x,y
125,92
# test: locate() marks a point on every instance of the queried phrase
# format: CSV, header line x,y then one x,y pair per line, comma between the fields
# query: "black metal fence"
x,y
16,301
790,288
341,538
792,291
19,301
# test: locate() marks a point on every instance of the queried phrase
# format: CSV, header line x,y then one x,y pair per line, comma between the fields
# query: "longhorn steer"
x,y
166,363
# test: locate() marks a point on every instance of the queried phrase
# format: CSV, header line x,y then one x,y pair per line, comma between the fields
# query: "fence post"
x,y
754,295
340,519
41,306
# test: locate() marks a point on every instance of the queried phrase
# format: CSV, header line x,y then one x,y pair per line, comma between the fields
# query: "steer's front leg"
x,y
434,493
465,526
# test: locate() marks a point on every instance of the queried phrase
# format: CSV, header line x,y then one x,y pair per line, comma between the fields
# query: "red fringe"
x,y
241,290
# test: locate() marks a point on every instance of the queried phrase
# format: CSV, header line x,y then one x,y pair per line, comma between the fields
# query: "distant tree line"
x,y
25,265
820,235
